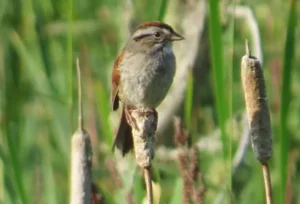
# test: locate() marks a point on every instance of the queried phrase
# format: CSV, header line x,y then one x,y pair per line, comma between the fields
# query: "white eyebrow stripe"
x,y
147,31
143,31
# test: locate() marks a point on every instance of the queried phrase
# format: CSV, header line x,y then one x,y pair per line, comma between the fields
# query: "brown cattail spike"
x,y
257,106
144,123
81,157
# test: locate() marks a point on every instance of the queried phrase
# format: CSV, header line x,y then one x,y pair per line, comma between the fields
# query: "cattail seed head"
x,y
257,106
81,157
143,133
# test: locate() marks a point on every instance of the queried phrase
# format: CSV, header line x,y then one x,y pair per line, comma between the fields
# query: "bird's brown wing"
x,y
123,140
115,83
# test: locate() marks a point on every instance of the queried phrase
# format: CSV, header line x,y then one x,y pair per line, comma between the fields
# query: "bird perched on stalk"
x,y
142,74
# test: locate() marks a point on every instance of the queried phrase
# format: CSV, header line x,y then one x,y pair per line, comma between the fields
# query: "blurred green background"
x,y
39,42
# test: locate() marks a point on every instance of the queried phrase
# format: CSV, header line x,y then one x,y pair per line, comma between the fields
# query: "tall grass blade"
x,y
188,104
215,35
49,180
12,136
70,61
162,10
103,108
177,193
289,52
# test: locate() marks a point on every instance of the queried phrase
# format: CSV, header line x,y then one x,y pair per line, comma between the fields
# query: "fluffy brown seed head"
x,y
257,106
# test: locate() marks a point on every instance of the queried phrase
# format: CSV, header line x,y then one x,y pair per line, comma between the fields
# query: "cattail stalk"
x,y
144,124
267,181
81,158
258,114
257,107
148,181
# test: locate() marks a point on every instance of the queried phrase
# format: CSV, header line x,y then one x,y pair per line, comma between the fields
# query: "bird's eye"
x,y
157,34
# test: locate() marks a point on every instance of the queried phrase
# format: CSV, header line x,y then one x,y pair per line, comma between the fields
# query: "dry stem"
x,y
80,117
189,166
148,181
184,15
246,13
267,181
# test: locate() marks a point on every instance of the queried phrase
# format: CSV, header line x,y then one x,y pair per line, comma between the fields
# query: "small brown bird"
x,y
142,74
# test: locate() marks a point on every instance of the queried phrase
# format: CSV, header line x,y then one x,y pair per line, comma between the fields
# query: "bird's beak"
x,y
176,37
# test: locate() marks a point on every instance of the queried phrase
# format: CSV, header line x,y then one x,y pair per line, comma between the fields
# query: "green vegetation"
x,y
39,42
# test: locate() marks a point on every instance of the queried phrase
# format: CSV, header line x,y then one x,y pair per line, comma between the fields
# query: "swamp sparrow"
x,y
142,74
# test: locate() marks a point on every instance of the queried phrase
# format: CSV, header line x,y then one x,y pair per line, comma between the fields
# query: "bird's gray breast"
x,y
146,78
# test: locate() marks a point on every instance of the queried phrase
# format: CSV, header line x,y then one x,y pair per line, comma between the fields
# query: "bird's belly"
x,y
147,88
